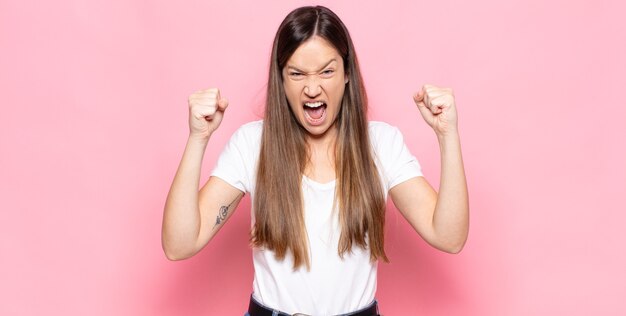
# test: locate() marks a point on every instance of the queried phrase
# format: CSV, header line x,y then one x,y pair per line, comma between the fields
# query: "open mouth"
x,y
315,112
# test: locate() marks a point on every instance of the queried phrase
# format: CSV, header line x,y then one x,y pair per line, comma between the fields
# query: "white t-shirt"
x,y
333,285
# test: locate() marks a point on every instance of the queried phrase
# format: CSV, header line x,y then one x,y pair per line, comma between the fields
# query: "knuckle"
x,y
208,100
213,91
206,92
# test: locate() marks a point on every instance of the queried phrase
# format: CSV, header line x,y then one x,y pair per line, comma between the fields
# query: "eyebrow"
x,y
327,64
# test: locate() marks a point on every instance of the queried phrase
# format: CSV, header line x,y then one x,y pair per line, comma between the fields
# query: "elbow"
x,y
451,249
170,254
174,254
451,245
454,250
177,256
453,241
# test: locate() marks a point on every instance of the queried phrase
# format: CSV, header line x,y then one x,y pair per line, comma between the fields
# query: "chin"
x,y
319,130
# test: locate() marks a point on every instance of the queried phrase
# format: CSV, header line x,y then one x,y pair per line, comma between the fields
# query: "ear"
x,y
346,81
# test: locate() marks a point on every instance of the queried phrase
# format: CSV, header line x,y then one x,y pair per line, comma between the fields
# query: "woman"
x,y
318,174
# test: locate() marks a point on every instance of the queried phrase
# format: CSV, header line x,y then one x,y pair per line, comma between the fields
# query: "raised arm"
x,y
191,218
441,219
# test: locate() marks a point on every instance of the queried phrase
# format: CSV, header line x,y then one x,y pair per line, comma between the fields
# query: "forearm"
x,y
451,216
181,218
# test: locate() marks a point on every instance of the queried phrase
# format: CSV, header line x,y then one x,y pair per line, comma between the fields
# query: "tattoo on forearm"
x,y
223,212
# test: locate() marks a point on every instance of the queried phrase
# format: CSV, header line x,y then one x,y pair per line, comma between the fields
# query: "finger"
x,y
213,93
431,93
205,112
423,96
211,90
222,104
427,101
418,96
426,113
432,90
440,103
436,108
435,93
206,100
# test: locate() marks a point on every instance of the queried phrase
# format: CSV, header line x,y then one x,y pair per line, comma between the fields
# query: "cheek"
x,y
291,93
337,91
294,106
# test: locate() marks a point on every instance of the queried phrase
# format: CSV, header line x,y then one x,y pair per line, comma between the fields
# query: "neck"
x,y
321,160
322,142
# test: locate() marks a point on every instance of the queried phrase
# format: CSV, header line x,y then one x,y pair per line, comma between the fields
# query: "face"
x,y
314,81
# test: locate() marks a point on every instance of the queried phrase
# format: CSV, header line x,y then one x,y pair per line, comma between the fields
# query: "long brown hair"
x,y
278,205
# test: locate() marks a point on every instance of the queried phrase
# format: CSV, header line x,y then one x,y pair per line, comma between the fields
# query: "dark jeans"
x,y
277,312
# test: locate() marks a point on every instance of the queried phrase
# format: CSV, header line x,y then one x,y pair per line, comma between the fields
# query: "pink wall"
x,y
94,121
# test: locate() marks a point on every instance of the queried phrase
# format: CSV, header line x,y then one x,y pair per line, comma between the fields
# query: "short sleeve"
x,y
237,161
397,162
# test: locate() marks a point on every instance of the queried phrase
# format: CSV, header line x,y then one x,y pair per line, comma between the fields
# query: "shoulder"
x,y
386,140
393,157
254,127
248,133
246,139
382,132
381,127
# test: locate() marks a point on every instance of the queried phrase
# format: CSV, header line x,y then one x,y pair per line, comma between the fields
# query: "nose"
x,y
312,88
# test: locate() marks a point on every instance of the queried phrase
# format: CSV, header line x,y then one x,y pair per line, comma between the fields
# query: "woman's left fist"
x,y
437,108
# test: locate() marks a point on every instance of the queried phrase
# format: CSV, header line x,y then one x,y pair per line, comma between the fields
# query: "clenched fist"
x,y
437,108
206,109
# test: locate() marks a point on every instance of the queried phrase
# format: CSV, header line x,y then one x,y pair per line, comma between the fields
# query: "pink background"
x,y
94,121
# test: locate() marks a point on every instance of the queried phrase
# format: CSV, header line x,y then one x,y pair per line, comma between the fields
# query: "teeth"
x,y
314,104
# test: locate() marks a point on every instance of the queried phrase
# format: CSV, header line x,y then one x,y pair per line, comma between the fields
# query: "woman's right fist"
x,y
206,109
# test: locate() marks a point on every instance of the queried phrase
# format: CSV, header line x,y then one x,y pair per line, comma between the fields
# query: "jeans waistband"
x,y
257,309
